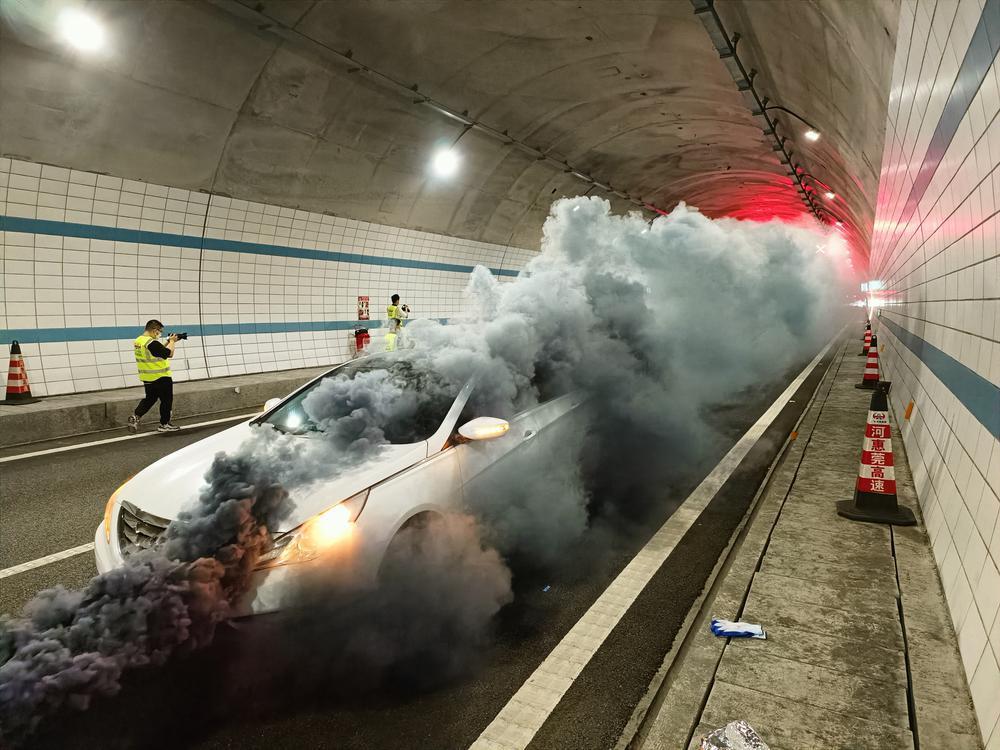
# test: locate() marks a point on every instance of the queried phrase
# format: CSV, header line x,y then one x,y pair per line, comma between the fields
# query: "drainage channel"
x,y
911,706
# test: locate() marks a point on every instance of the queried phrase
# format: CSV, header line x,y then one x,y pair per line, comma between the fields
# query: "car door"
x,y
519,484
537,428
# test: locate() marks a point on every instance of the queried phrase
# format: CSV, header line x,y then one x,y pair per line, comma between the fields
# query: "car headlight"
x,y
317,535
109,510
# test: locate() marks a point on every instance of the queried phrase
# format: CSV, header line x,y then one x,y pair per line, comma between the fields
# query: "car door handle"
x,y
528,434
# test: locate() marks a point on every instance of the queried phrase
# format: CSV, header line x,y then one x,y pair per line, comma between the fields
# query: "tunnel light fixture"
x,y
80,30
812,134
445,162
800,173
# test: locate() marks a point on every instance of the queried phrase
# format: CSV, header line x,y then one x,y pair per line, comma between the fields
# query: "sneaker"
x,y
133,423
167,428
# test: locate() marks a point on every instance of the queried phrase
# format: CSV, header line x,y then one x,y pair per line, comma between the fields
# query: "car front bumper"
x,y
276,588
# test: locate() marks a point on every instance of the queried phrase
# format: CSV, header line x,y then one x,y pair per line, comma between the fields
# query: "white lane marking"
x,y
518,721
77,446
47,560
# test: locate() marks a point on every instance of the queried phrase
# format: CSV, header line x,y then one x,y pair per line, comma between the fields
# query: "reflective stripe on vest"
x,y
150,368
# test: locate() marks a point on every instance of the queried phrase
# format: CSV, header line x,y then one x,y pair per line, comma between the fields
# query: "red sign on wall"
x,y
363,307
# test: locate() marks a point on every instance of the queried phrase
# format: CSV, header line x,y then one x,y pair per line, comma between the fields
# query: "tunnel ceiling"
x,y
329,105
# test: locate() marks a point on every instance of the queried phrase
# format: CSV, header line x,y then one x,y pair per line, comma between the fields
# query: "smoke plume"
x,y
649,322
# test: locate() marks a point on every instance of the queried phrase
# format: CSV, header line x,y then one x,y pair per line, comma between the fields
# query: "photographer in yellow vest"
x,y
396,314
152,359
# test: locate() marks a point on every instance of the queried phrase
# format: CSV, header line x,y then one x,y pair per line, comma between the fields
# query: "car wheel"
x,y
407,546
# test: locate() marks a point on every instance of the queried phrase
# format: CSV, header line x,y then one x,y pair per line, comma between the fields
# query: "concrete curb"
x,y
693,643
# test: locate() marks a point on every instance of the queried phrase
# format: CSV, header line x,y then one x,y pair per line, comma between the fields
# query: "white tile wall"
x,y
60,281
942,272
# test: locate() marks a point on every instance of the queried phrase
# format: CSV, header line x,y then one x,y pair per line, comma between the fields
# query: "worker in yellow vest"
x,y
152,359
397,315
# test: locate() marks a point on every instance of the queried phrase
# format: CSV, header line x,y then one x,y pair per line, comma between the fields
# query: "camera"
x,y
180,336
406,308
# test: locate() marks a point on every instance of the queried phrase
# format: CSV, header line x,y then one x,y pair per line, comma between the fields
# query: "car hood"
x,y
171,484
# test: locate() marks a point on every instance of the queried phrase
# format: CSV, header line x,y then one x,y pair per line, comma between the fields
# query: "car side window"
x,y
468,413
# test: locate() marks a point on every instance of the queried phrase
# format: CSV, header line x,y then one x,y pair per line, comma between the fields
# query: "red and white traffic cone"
x,y
869,380
875,491
18,391
867,341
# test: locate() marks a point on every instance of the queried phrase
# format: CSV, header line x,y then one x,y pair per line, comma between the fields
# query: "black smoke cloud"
x,y
650,321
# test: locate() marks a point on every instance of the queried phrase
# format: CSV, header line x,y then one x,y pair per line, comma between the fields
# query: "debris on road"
x,y
736,735
730,629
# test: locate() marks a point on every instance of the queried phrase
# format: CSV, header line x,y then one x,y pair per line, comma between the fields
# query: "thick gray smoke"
x,y
654,322
650,322
70,646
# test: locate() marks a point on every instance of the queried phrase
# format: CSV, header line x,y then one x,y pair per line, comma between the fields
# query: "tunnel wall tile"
x,y
935,252
88,258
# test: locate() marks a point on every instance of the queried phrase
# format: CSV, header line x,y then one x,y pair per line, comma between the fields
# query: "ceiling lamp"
x,y
81,30
445,162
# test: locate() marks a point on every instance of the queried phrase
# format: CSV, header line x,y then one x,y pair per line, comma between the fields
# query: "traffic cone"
x,y
869,380
875,491
868,342
18,391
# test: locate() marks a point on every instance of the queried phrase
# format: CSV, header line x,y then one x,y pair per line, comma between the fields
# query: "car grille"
x,y
138,529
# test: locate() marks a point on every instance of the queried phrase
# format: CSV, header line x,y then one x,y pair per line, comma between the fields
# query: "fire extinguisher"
x,y
361,339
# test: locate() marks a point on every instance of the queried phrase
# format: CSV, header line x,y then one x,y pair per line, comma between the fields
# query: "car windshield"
x,y
393,400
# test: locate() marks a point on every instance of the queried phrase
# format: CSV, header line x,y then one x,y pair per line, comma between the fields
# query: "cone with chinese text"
x,y
869,381
875,490
18,391
867,341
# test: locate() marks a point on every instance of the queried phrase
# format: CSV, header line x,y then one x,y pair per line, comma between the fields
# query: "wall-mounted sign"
x,y
363,307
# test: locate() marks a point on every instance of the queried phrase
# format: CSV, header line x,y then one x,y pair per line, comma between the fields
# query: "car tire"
x,y
407,544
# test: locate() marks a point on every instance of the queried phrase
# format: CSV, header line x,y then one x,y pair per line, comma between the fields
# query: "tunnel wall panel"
x,y
936,263
88,258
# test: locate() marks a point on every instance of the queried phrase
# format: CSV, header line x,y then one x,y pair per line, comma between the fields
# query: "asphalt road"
x,y
223,697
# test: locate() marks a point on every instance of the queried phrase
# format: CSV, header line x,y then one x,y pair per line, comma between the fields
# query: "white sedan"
x,y
429,464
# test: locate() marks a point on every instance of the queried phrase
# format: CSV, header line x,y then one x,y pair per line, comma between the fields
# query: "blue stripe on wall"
x,y
977,394
94,232
99,333
975,66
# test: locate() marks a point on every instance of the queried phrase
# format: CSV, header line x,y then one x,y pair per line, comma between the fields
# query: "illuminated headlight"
x,y
319,534
109,510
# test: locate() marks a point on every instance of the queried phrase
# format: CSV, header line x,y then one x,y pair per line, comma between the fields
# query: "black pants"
x,y
162,389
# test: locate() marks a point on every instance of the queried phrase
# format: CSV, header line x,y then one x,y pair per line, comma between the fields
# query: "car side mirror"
x,y
271,403
484,428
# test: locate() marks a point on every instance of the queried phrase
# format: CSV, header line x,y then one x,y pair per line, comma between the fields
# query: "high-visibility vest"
x,y
150,368
395,313
390,341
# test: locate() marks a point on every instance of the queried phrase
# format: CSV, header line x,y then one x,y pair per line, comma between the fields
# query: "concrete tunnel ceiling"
x,y
320,105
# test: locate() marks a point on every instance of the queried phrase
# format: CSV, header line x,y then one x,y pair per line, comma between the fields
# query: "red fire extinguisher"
x,y
361,339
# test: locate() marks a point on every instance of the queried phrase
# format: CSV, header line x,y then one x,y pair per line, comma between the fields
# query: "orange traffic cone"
x,y
869,380
18,391
867,344
867,340
875,491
